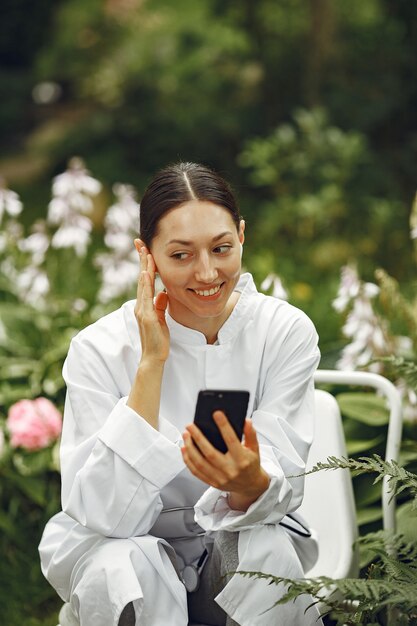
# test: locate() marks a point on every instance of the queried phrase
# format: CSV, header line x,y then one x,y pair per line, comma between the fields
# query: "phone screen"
x,y
233,403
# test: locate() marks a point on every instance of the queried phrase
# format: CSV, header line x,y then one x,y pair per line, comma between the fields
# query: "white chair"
x,y
328,503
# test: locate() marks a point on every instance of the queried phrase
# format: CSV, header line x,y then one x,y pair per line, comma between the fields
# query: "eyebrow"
x,y
182,242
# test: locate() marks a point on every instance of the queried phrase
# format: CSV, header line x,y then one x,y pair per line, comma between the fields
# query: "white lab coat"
x,y
120,475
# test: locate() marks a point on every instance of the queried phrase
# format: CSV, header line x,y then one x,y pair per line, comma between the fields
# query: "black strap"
x,y
305,532
201,559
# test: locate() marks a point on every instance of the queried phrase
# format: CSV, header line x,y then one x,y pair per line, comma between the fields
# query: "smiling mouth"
x,y
208,292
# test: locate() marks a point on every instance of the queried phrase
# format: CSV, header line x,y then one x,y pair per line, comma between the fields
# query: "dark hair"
x,y
179,183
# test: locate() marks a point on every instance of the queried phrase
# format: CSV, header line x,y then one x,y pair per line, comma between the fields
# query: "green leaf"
x,y
408,452
358,431
10,393
366,492
30,486
407,522
364,407
7,525
356,446
16,368
407,457
59,351
32,463
368,515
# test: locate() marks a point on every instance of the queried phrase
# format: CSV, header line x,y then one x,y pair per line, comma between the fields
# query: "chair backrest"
x,y
329,504
392,396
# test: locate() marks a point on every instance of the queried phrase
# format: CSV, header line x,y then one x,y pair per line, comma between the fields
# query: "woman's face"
x,y
197,252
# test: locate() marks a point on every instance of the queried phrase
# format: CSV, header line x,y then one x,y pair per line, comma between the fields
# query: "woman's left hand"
x,y
238,471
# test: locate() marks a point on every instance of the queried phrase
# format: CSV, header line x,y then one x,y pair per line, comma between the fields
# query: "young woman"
x,y
153,516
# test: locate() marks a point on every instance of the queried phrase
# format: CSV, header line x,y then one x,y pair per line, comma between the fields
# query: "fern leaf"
x,y
395,473
366,594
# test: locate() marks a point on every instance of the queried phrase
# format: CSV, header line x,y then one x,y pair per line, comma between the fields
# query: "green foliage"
x,y
381,325
313,176
399,478
399,310
367,489
385,595
144,83
316,208
365,420
38,318
365,601
364,407
155,76
32,349
401,367
29,496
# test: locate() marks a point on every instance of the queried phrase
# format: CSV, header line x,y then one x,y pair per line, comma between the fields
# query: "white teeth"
x,y
207,292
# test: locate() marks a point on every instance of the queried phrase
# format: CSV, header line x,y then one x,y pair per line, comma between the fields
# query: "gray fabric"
x,y
127,616
222,560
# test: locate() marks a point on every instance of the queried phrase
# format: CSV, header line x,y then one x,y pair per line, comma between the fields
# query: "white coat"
x,y
121,478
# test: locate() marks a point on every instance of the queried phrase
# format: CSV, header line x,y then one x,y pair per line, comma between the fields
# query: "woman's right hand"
x,y
150,315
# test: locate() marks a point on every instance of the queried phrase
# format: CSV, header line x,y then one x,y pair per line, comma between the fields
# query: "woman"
x,y
153,516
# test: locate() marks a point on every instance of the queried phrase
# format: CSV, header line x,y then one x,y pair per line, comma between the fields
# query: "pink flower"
x,y
33,424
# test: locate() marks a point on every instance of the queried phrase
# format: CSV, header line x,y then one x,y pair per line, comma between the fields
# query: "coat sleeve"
x,y
284,422
113,463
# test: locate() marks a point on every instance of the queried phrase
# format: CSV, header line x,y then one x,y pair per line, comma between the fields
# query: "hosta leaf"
x,y
355,446
17,368
32,463
368,515
32,487
407,521
365,491
10,393
364,407
6,525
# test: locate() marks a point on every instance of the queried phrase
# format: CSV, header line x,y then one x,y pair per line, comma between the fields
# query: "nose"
x,y
205,271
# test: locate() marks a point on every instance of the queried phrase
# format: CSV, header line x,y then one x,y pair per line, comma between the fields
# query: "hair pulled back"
x,y
179,183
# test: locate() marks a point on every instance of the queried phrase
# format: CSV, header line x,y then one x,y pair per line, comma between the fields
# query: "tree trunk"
x,y
320,46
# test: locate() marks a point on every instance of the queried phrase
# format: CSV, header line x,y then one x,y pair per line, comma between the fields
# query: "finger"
x,y
228,433
197,463
147,293
139,244
139,291
161,303
141,250
142,265
195,471
150,266
213,456
151,262
251,439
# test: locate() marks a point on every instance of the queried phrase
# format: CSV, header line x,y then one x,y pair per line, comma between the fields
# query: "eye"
x,y
222,249
179,256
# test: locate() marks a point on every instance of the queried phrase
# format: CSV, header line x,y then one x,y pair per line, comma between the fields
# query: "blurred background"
x,y
308,108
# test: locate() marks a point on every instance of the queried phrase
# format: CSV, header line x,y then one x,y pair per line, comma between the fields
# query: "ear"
x,y
242,231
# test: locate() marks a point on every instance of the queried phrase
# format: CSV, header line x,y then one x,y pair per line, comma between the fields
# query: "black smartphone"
x,y
233,403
